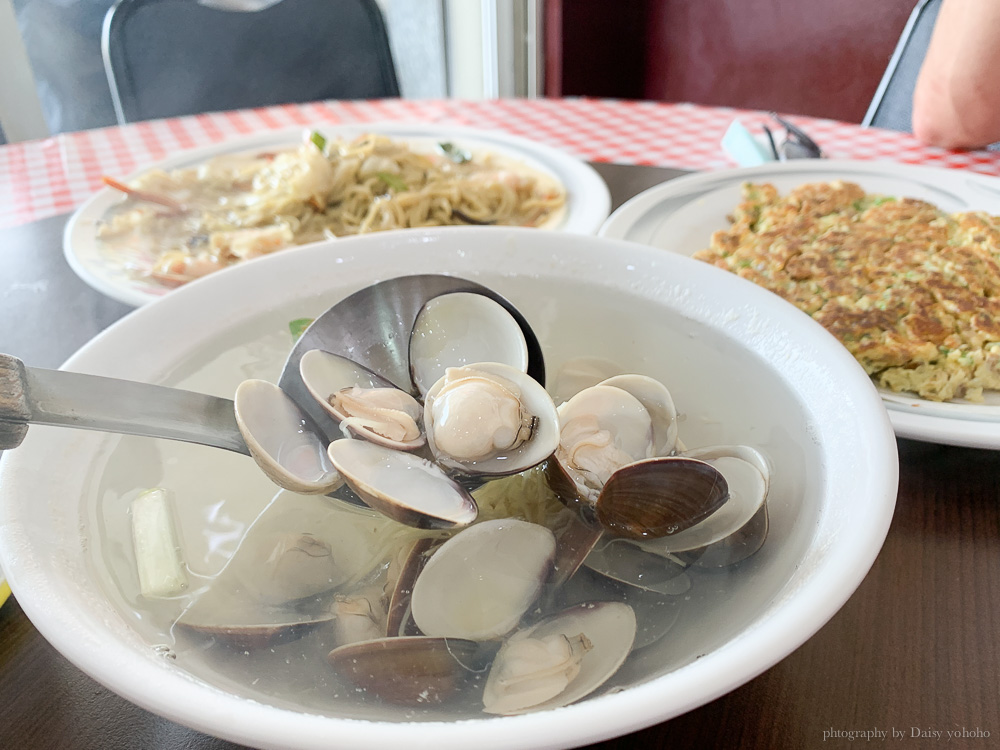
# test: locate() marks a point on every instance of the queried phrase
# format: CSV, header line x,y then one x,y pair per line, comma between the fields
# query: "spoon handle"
x,y
30,395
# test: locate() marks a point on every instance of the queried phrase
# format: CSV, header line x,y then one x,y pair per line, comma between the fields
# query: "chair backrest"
x,y
892,105
166,58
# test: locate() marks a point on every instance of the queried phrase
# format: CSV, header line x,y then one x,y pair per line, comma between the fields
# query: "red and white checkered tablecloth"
x,y
52,176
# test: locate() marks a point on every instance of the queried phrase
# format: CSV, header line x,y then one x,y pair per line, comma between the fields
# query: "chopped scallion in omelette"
x,y
912,291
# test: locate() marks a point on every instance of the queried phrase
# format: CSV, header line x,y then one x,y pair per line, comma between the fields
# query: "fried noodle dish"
x,y
912,291
179,225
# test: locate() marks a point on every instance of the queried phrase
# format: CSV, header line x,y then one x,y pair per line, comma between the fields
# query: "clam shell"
x,y
659,497
622,560
325,374
411,670
609,628
402,486
479,583
746,472
459,329
535,401
734,548
260,627
282,440
653,395
403,574
579,373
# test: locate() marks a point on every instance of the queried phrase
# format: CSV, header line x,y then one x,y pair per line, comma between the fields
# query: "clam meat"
x,y
489,419
560,659
362,402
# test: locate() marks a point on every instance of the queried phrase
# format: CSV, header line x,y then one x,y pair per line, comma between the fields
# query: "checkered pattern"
x,y
53,176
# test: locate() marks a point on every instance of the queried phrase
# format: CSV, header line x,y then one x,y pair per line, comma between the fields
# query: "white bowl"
x,y
743,366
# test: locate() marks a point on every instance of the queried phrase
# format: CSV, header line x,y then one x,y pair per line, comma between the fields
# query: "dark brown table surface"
x,y
916,650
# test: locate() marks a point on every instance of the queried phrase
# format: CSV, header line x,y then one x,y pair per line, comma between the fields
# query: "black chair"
x,y
166,58
892,105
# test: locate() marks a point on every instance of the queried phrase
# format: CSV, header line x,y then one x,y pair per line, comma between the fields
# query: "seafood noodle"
x,y
176,226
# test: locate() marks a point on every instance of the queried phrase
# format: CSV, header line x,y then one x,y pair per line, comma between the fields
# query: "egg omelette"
x,y
912,291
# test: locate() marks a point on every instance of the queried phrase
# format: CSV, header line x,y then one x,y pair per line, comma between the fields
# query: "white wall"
x,y
417,37
20,112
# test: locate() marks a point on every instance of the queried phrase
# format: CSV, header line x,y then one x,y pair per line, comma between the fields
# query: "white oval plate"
x,y
742,363
655,217
588,201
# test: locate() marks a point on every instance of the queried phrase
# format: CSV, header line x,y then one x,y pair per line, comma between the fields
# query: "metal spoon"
x,y
370,326
30,395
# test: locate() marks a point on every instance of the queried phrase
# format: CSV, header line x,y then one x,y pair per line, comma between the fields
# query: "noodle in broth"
x,y
179,225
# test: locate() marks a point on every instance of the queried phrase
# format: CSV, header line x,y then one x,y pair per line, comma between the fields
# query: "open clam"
x,y
659,497
560,659
374,328
725,537
365,404
489,418
612,461
602,429
459,329
739,527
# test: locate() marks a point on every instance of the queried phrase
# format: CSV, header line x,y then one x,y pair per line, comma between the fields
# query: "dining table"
x,y
911,660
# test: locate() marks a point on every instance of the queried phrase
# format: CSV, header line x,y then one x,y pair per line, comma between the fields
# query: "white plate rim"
x,y
967,425
588,196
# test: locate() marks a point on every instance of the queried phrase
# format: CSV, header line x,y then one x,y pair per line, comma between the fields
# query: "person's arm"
x,y
956,103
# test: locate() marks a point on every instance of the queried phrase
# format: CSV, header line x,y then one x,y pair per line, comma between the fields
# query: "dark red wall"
x,y
595,48
814,57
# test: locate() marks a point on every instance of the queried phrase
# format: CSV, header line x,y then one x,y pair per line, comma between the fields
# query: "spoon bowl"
x,y
372,328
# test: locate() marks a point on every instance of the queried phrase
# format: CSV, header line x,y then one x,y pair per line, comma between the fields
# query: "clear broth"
x,y
217,495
